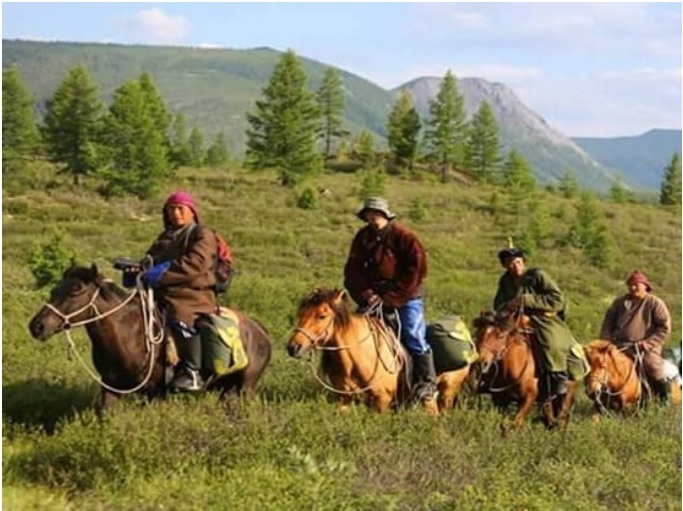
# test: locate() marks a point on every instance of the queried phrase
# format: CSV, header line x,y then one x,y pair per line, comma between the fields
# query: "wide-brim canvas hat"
x,y
376,204
510,252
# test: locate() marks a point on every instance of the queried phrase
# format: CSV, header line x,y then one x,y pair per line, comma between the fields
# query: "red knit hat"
x,y
184,198
638,277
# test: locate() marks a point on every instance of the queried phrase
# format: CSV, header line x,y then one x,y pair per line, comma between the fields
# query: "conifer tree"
x,y
670,191
569,185
364,149
196,145
217,153
482,150
19,129
72,123
179,151
404,127
446,132
138,157
589,233
284,125
331,101
155,105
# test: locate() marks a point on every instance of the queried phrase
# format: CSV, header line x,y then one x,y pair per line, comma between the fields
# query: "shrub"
x,y
307,199
48,262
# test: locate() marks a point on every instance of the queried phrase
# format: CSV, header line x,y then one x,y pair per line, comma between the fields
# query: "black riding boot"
x,y
187,376
424,377
552,391
662,389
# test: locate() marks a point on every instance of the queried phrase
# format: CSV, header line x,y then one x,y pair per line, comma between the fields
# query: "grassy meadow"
x,y
290,448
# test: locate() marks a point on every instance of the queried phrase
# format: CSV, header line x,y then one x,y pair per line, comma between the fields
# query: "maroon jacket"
x,y
391,263
185,291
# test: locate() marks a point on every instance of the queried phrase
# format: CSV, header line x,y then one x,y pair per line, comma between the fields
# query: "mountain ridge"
x,y
215,87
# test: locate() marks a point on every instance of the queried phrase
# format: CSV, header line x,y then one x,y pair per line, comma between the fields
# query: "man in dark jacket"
x,y
532,292
184,256
386,265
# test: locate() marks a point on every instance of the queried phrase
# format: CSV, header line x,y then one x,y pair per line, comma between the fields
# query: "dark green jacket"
x,y
542,302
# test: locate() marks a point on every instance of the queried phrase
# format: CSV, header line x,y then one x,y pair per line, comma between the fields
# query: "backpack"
x,y
224,270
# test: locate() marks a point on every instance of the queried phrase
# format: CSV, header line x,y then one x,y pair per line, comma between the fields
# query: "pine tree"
x,y
589,233
138,157
670,192
217,153
331,101
364,149
72,122
404,127
179,151
284,125
619,193
156,106
482,151
446,133
196,144
19,130
569,185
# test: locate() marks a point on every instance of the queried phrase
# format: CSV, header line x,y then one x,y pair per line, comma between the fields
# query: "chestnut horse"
x,y
361,357
507,370
614,383
128,342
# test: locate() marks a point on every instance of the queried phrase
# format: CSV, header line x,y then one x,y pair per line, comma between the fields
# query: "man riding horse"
x,y
533,293
386,265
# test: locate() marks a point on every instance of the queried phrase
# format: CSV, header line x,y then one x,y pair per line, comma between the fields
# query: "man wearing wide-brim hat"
x,y
642,322
386,267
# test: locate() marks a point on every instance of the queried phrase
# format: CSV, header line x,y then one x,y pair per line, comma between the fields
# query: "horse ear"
x,y
94,272
339,296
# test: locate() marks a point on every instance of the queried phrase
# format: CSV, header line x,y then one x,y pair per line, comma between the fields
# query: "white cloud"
x,y
155,26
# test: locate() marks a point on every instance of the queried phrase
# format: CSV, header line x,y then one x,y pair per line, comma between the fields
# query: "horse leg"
x,y
529,393
382,401
566,405
107,401
449,384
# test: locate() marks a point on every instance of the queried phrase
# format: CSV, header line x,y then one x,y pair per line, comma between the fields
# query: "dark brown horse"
x,y
507,369
129,345
361,357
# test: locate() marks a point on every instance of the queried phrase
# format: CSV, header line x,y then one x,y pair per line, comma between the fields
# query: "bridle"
x,y
499,352
603,386
149,322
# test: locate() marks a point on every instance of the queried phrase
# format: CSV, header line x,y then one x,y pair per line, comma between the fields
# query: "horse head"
x,y
318,314
602,357
71,300
492,332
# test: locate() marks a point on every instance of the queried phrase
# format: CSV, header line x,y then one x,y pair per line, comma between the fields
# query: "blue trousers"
x,y
414,327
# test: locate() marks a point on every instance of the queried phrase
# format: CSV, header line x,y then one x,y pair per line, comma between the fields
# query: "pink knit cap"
x,y
638,277
184,198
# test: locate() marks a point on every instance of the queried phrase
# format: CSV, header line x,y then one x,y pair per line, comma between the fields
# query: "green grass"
x,y
290,448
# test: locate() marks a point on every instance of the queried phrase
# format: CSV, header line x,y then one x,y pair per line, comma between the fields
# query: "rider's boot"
x,y
424,381
552,393
662,389
188,376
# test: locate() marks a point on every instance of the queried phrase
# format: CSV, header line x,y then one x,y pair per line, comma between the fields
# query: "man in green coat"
x,y
532,292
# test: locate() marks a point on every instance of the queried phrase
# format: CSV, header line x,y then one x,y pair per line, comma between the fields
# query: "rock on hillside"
x,y
548,151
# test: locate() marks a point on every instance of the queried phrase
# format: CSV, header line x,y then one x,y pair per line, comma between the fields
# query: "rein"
x,y
605,387
497,361
147,308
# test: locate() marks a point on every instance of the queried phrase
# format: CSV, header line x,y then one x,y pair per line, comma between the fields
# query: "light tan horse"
x,y
361,357
613,382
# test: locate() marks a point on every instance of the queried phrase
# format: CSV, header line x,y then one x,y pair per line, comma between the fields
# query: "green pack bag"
x,y
452,344
222,347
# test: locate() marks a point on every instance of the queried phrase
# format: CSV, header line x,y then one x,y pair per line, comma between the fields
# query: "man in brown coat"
x,y
184,257
386,265
642,322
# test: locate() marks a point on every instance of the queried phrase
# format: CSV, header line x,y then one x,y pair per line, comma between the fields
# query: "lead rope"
x,y
147,307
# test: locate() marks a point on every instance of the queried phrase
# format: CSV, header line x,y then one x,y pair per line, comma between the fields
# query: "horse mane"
x,y
108,289
490,318
321,296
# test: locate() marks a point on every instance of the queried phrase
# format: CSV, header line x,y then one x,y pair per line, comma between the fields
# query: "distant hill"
x,y
215,87
548,151
642,158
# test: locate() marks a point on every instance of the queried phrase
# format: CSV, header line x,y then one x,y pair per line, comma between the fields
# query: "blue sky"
x,y
590,69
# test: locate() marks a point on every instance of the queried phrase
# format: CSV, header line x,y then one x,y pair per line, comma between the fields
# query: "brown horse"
x,y
614,382
361,357
507,370
128,343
